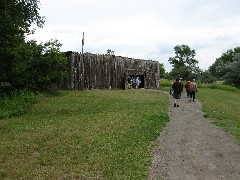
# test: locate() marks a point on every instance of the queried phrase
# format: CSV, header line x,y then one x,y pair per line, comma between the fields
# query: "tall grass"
x,y
223,107
165,83
220,87
16,103
84,135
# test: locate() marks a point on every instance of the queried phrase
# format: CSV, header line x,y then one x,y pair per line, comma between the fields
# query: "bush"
x,y
165,83
16,103
38,67
5,87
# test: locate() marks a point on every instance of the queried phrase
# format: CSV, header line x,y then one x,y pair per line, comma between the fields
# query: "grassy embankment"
x,y
223,107
83,135
220,103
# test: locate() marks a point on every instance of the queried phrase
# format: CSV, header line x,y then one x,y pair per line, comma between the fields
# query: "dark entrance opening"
x,y
132,80
141,79
133,76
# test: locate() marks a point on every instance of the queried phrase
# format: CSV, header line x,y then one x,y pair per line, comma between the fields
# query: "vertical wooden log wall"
x,y
94,71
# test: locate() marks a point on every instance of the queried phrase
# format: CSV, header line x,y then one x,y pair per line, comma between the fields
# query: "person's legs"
x,y
177,97
176,100
193,94
190,95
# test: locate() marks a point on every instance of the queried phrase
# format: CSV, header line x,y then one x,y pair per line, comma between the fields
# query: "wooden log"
x,y
94,71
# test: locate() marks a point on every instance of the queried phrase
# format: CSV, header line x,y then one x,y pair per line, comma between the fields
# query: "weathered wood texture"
x,y
94,71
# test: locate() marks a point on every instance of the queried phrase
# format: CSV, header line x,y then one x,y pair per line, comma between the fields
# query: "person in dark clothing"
x,y
177,90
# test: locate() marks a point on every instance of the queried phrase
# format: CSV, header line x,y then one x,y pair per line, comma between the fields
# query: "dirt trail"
x,y
191,147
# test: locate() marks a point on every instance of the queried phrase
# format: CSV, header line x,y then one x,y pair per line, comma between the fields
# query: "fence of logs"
x,y
95,71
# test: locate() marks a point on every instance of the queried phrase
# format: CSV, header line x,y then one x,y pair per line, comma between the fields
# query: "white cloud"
x,y
143,29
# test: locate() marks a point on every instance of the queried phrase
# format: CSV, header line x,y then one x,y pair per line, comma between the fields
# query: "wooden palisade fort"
x,y
94,71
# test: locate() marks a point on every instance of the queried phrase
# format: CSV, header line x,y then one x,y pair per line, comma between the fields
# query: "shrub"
x,y
165,83
40,66
16,103
5,87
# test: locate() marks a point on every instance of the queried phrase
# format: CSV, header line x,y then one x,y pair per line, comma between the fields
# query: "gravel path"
x,y
191,147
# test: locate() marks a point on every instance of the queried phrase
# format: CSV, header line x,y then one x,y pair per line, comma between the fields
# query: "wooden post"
x,y
89,71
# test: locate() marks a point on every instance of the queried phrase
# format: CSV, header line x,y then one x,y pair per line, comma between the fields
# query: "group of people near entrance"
x,y
176,90
133,82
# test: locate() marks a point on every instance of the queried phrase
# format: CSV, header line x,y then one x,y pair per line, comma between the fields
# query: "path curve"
x,y
191,147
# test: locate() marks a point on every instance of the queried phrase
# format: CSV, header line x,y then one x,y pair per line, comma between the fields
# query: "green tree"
x,y
183,63
26,64
16,17
39,66
232,77
206,77
110,52
162,70
218,69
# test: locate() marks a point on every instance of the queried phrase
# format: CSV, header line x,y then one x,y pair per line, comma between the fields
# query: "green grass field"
x,y
95,134
84,135
223,107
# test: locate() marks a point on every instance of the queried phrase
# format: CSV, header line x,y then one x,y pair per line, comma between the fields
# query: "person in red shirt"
x,y
187,86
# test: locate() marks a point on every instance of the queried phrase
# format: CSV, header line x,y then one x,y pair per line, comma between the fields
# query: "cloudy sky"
x,y
143,29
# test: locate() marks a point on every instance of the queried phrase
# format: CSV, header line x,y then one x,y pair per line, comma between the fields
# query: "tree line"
x,y
226,68
26,64
36,66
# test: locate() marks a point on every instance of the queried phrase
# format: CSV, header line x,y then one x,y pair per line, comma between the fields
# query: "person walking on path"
x,y
177,90
193,89
187,86
191,147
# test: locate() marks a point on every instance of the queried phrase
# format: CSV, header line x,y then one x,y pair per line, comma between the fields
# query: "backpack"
x,y
177,87
193,86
